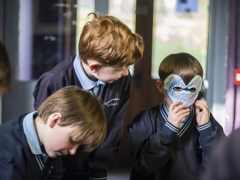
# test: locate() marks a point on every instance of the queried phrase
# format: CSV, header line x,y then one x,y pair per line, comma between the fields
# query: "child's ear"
x,y
160,87
54,119
94,65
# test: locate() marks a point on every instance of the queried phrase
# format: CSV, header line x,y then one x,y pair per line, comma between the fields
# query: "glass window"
x,y
125,11
84,7
54,33
175,32
48,33
50,30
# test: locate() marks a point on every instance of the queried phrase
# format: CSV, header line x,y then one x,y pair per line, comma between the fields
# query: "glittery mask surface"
x,y
187,94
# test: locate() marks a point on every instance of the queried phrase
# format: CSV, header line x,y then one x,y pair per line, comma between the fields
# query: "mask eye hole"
x,y
192,90
177,89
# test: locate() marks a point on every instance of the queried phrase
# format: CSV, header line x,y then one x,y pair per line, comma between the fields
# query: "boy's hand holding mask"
x,y
177,112
202,112
180,93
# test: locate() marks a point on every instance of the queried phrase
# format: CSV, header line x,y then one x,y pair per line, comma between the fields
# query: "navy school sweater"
x,y
17,162
157,152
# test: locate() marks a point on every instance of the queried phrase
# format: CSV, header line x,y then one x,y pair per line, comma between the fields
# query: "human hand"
x,y
177,112
202,112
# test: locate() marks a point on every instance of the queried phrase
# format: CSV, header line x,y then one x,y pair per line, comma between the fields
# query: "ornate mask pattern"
x,y
178,91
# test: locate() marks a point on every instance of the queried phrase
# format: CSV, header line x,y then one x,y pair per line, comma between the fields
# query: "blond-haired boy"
x,y
32,143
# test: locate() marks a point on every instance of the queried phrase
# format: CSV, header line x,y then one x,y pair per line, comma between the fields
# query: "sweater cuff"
x,y
170,130
99,174
205,129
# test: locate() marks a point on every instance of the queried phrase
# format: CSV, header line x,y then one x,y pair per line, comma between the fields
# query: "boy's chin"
x,y
109,82
54,155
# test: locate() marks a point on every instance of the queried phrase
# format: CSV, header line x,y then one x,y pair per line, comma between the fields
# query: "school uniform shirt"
x,y
226,160
159,150
21,157
115,98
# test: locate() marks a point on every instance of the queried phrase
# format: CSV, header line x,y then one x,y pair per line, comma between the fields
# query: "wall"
x,y
217,57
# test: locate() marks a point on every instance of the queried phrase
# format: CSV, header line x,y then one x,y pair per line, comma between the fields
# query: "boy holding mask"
x,y
174,140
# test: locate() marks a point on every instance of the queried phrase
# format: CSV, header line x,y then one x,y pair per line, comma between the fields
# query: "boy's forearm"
x,y
210,142
149,152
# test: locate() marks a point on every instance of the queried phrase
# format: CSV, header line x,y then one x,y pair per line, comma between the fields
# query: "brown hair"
x,y
5,67
81,110
183,64
109,41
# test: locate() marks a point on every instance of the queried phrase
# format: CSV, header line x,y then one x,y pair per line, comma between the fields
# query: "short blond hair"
x,y
109,41
183,64
81,110
5,67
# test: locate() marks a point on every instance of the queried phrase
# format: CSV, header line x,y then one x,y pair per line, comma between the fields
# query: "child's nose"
x,y
125,71
73,150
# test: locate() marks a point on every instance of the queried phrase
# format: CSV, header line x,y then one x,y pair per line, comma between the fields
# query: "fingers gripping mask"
x,y
178,91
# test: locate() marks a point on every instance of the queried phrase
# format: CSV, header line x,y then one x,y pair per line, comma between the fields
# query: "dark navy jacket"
x,y
115,99
17,162
225,164
159,154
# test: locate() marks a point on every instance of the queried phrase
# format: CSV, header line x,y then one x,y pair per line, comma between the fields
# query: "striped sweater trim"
x,y
172,127
39,161
204,126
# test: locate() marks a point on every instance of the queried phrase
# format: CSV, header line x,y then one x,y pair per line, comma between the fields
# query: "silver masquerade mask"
x,y
178,91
